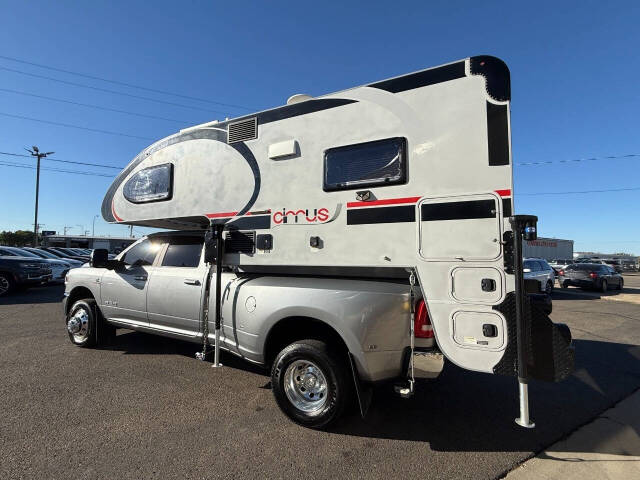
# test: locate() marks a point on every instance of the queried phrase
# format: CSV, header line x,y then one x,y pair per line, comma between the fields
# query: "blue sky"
x,y
574,72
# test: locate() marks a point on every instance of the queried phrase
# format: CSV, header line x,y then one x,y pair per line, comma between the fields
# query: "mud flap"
x,y
363,392
550,354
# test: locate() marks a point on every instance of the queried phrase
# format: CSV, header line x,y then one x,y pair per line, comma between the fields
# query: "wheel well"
x,y
76,294
290,329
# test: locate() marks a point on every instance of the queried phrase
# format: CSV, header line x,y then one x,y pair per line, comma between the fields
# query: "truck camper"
x,y
342,240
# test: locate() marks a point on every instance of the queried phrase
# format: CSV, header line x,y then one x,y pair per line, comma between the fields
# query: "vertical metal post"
x,y
522,338
35,221
219,253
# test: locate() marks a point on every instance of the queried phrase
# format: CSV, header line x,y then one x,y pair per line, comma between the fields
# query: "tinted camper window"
x,y
382,162
151,184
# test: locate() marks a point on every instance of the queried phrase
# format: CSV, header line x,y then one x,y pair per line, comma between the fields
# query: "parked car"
x,y
59,268
560,263
615,264
590,275
62,254
540,270
22,272
45,254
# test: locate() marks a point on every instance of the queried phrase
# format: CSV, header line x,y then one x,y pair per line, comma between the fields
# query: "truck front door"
x,y
123,292
174,297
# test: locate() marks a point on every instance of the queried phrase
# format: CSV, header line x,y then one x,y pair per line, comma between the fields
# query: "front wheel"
x,y
6,284
549,288
621,284
603,286
85,325
310,384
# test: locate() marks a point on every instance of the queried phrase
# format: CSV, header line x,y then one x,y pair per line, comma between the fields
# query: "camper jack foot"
x,y
523,420
202,356
405,391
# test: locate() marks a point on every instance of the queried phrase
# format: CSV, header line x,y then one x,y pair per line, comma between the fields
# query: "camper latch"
x,y
363,195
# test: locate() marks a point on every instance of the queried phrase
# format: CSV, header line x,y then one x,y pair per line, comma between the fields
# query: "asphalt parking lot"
x,y
146,408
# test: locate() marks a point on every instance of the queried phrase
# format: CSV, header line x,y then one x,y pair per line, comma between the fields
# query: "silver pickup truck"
x,y
322,337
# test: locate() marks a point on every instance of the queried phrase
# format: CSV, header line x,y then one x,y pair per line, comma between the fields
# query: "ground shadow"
x,y
463,410
138,343
575,293
42,294
468,411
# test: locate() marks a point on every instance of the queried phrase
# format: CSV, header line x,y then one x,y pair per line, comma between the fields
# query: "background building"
x,y
548,248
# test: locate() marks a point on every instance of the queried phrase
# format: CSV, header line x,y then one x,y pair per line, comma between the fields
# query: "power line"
x,y
578,192
64,161
59,124
131,85
610,157
208,110
59,170
98,107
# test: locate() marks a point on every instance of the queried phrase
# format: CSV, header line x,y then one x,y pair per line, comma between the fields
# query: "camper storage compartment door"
x,y
460,228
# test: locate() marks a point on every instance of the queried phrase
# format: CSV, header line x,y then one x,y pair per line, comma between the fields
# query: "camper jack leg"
x,y
219,228
522,225
407,391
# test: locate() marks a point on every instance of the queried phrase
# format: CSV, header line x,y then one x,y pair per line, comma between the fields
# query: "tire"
x,y
564,284
604,286
85,325
621,285
6,284
549,288
325,378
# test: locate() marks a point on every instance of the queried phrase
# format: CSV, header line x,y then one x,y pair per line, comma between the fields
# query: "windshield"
x,y
42,253
23,252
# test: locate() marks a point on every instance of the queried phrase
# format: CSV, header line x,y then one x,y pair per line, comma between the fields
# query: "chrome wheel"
x,y
4,285
306,386
78,325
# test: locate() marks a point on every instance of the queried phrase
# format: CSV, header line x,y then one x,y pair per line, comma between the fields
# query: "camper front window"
x,y
382,162
151,184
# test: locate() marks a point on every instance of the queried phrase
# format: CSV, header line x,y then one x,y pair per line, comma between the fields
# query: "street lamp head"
x,y
35,149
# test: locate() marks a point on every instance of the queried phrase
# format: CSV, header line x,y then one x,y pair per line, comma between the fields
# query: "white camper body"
x,y
432,193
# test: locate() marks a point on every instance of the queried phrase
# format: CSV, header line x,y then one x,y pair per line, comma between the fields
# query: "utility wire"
x,y
131,85
63,161
59,124
208,110
77,172
98,107
610,157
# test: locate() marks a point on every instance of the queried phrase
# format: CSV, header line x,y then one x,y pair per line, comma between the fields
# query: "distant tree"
x,y
19,238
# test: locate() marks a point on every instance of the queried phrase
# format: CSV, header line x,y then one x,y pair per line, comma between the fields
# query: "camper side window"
x,y
151,184
382,162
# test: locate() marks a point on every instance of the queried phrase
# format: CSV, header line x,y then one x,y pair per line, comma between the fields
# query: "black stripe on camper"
x,y
362,216
249,222
496,74
506,207
498,134
466,210
422,79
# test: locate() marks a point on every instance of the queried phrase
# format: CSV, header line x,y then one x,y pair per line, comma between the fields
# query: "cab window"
x,y
183,252
141,254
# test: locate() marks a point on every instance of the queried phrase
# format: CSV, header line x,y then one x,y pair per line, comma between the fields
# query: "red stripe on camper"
x,y
390,201
115,215
233,214
504,193
221,215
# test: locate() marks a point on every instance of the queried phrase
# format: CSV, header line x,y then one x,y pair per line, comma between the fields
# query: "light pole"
x,y
93,230
36,153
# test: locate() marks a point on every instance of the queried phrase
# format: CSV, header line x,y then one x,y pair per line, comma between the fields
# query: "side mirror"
x,y
99,258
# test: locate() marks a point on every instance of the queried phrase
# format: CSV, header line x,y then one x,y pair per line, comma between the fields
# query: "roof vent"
x,y
298,97
243,130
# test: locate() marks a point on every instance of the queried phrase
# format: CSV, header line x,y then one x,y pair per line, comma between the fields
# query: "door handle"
x,y
191,281
142,278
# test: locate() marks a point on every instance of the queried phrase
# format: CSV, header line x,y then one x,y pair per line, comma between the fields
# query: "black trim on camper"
x,y
498,134
431,76
465,210
496,75
367,216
